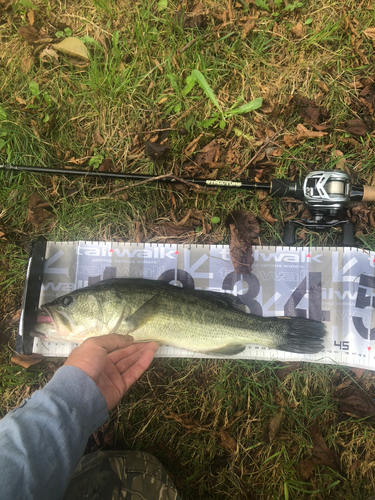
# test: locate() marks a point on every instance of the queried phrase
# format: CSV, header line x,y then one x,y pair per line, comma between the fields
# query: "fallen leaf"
x,y
31,17
359,372
248,26
48,54
303,132
226,441
74,47
244,231
275,425
28,33
231,156
98,139
26,63
290,141
367,98
309,110
356,127
155,151
298,30
26,360
323,86
37,215
4,4
322,454
210,153
370,33
21,101
355,402
306,468
265,213
193,19
107,165
191,147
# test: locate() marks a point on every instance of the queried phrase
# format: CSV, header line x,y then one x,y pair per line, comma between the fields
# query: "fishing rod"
x,y
325,194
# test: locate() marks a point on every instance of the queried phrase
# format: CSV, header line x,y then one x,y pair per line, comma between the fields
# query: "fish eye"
x,y
67,300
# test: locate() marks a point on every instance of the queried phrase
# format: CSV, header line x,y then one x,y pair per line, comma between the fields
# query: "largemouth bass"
x,y
196,320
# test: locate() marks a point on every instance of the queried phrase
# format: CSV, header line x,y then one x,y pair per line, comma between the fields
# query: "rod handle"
x,y
368,193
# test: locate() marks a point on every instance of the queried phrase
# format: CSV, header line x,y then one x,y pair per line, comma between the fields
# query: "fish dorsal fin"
x,y
227,350
222,299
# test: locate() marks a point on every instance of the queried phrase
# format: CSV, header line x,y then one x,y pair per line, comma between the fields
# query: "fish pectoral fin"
x,y
141,316
228,350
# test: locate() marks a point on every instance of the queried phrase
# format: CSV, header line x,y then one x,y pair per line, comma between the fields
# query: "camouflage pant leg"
x,y
120,475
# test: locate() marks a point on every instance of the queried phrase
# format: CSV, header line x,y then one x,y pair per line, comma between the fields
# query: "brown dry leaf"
x,y
4,4
193,19
48,54
371,220
210,153
248,26
298,30
367,98
231,156
323,86
290,140
107,165
265,213
303,133
21,101
25,360
26,63
226,441
244,229
322,454
191,147
359,372
356,127
275,425
306,468
155,151
37,216
31,17
355,402
98,139
370,33
309,110
29,33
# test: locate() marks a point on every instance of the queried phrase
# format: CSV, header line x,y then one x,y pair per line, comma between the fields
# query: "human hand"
x,y
113,363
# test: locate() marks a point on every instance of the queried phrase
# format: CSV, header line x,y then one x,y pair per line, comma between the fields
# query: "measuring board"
x,y
335,285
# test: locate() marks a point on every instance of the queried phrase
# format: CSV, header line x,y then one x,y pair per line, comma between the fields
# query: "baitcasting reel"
x,y
325,194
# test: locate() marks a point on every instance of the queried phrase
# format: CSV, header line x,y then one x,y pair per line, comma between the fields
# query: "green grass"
x,y
132,86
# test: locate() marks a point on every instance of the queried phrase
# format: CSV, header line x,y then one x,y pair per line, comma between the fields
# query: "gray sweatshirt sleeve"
x,y
42,441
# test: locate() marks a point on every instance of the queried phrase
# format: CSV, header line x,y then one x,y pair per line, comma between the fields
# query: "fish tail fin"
x,y
304,336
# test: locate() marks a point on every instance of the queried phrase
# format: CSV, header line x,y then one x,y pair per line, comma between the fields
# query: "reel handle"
x,y
368,193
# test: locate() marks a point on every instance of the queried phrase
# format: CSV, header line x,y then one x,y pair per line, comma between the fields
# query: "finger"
x,y
128,361
109,342
133,373
120,354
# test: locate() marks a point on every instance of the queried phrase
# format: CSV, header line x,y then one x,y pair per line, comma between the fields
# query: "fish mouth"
x,y
61,322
